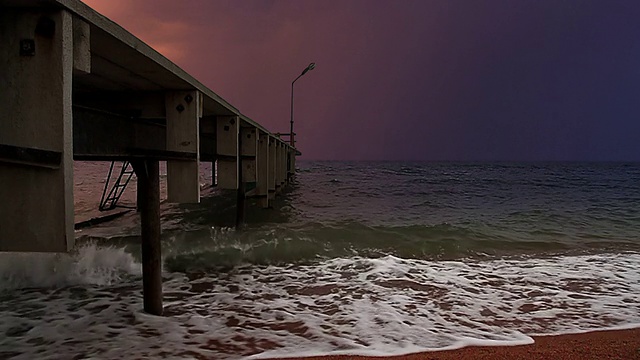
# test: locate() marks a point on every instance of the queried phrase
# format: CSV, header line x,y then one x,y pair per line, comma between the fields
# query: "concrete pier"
x,y
77,86
36,147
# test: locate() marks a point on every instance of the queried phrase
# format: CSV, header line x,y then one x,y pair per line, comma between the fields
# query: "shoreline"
x,y
622,344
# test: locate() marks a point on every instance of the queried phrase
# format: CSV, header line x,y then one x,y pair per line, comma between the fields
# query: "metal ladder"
x,y
110,202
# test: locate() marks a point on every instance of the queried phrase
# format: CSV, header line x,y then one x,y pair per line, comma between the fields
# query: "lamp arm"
x,y
291,136
291,133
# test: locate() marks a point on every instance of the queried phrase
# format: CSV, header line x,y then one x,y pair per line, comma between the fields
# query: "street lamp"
x,y
291,133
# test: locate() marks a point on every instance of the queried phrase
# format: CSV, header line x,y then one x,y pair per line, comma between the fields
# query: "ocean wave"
x,y
89,264
314,241
351,305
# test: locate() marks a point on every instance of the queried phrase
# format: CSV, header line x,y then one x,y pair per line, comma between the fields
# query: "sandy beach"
x,y
597,345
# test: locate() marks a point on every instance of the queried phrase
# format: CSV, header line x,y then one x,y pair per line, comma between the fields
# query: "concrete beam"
x,y
98,133
35,95
132,104
228,154
81,47
184,110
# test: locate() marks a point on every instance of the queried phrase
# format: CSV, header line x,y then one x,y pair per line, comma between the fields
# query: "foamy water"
x,y
356,258
91,307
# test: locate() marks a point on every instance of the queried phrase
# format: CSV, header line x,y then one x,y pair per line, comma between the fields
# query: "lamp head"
x,y
310,67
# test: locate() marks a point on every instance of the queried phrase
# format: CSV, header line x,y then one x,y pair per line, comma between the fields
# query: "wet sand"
x,y
615,344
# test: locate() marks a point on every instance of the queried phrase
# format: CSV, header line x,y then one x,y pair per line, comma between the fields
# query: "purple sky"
x,y
416,80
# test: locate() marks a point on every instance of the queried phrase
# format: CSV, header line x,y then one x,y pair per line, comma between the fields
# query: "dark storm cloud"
x,y
432,80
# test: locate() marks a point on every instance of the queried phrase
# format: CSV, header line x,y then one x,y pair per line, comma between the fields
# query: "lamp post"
x,y
291,133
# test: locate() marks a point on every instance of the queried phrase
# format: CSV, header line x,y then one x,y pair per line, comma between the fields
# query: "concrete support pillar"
x,y
227,151
292,163
287,162
249,153
183,112
36,147
148,175
283,165
278,166
272,169
262,187
240,192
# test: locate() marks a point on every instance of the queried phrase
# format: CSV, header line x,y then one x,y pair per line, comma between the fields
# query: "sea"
x,y
369,258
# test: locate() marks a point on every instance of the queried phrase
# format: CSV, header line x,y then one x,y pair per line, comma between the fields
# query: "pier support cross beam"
x,y
228,151
148,174
184,110
36,76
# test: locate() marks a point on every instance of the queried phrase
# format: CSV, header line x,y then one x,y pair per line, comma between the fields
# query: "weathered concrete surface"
x,y
36,202
292,163
81,47
227,133
249,153
184,110
118,84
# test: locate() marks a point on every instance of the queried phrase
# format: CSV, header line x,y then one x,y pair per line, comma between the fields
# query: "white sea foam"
x,y
89,264
383,306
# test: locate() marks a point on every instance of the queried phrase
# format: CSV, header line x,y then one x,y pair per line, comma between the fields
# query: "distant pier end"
x,y
77,86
